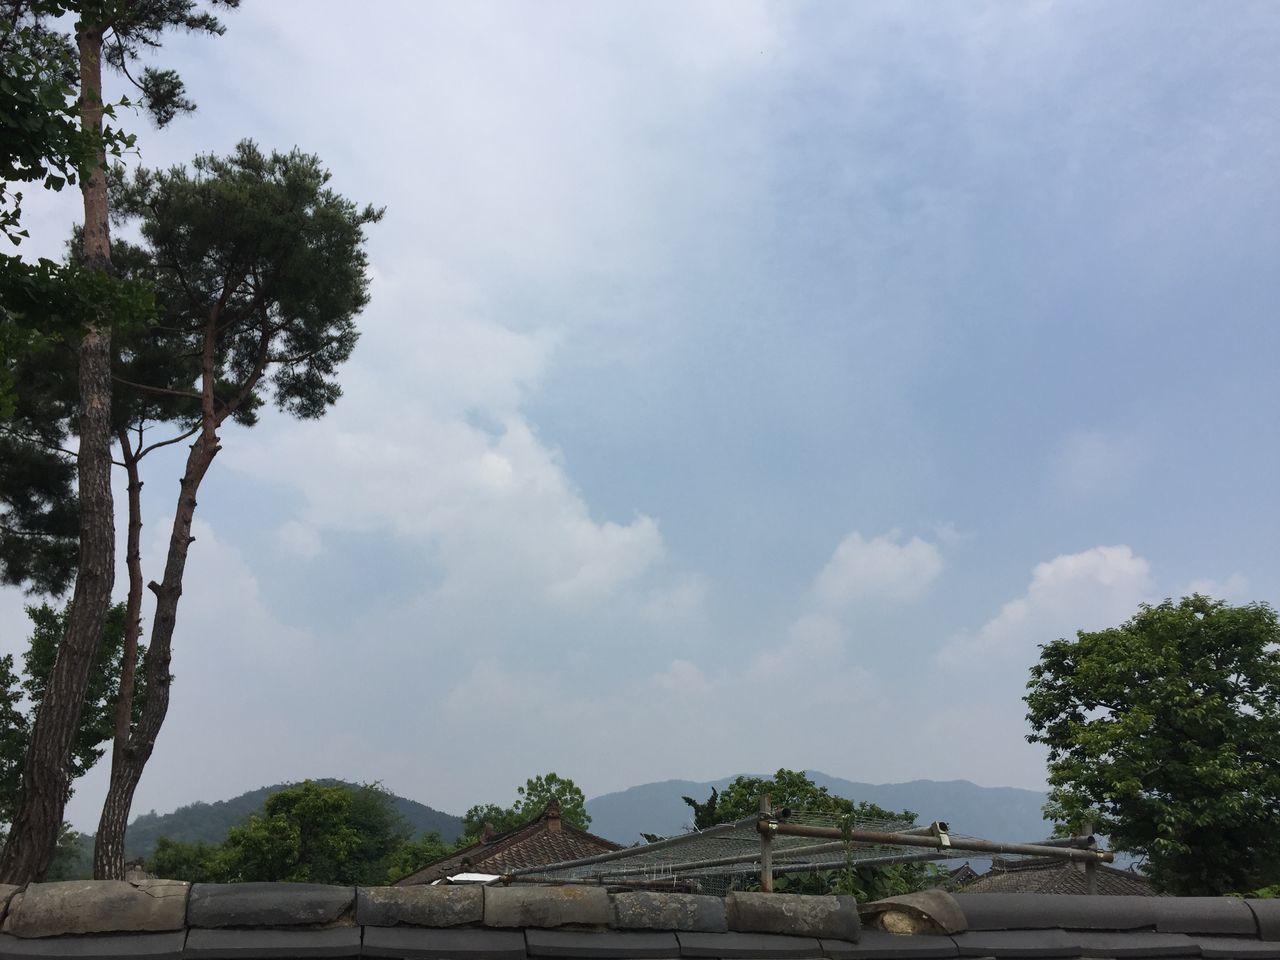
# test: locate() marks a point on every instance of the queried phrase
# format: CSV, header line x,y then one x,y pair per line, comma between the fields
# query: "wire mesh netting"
x,y
727,857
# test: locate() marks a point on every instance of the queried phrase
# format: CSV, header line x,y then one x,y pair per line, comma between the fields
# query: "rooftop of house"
x,y
1055,876
545,839
171,920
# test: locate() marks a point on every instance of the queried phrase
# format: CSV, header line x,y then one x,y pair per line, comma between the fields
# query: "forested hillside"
x,y
209,822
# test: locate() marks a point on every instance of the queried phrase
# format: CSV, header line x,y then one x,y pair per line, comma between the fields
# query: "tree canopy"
x,y
786,788
531,800
1165,731
22,692
794,789
307,833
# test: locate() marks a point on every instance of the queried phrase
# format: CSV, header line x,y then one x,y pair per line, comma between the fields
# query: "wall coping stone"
x,y
270,905
97,906
420,906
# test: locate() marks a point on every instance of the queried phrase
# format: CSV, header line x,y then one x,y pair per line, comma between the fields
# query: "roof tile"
x,y
604,944
748,946
421,943
1267,915
878,945
271,944
112,946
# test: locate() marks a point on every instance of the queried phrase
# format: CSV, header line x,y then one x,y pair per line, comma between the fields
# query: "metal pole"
x,y
767,824
909,840
632,851
1090,868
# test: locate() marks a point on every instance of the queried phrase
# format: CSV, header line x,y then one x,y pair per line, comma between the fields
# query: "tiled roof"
x,y
1056,876
169,920
545,839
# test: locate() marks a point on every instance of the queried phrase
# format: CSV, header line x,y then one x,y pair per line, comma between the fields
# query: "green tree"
x,y
195,862
117,31
1165,731
260,271
415,854
531,800
30,686
794,789
306,833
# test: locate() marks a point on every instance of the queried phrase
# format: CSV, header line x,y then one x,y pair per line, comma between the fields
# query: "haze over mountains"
x,y
1004,813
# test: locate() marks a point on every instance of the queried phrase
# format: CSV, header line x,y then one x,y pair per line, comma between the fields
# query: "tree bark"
x,y
108,847
128,763
46,784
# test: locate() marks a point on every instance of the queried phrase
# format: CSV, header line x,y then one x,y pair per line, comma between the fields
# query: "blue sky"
x,y
744,385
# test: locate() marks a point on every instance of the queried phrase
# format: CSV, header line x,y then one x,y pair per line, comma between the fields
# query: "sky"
x,y
743,385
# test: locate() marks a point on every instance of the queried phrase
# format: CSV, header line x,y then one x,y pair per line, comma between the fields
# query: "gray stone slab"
x,y
1015,943
1224,916
442,905
878,945
1267,915
801,916
1131,943
1041,911
605,944
1223,947
97,906
7,890
748,946
267,944
422,943
643,910
109,946
269,905
532,906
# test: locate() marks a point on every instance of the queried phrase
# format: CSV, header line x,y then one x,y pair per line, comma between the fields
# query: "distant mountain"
x,y
209,822
993,813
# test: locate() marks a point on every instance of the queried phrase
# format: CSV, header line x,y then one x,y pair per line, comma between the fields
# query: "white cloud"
x,y
1078,591
884,567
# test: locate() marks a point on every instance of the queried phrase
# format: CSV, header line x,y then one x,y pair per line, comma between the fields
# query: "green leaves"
x,y
1165,731
532,799
307,833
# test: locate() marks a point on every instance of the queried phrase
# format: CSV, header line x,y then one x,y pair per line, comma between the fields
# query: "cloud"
x,y
1078,591
884,568
299,539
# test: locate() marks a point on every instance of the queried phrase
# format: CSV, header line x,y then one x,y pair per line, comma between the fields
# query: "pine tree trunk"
x,y
108,846
127,764
33,837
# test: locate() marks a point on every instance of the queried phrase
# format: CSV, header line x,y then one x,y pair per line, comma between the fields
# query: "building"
x,y
543,840
1056,876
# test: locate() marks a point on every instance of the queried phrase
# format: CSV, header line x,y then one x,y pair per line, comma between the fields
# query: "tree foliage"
x,y
795,790
22,692
1165,731
531,800
307,833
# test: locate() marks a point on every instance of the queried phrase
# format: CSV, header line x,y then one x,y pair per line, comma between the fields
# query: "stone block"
x,y
835,918
270,905
669,911
420,906
546,907
97,906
